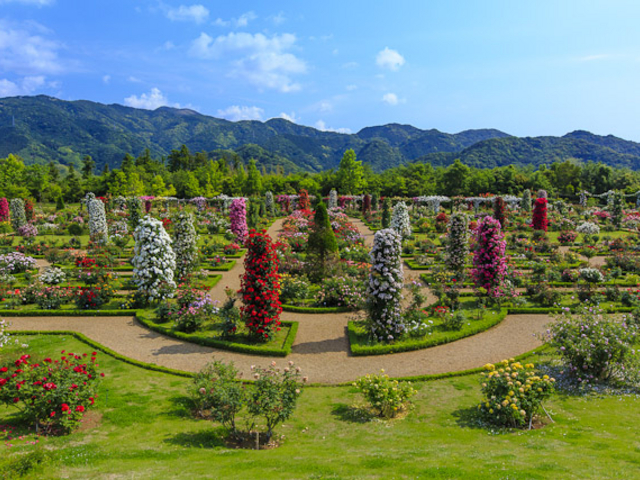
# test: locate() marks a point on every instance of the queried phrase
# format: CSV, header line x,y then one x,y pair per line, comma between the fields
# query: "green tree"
x,y
322,247
87,167
253,183
456,178
350,174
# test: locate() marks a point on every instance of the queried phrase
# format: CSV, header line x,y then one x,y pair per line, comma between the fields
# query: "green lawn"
x,y
144,430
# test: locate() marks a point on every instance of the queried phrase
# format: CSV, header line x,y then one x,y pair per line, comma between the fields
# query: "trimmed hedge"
x,y
225,267
408,346
225,344
298,309
68,313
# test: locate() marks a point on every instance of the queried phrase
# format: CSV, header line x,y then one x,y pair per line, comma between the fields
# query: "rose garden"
x,y
451,336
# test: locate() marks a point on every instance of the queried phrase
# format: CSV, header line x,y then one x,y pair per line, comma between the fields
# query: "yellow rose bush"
x,y
513,393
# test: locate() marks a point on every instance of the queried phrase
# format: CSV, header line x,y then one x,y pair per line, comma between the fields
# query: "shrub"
x,y
322,247
18,216
215,389
386,397
51,298
400,221
52,394
457,243
539,220
4,210
454,320
16,262
238,217
293,289
275,394
513,393
185,245
341,291
593,345
568,237
489,263
53,276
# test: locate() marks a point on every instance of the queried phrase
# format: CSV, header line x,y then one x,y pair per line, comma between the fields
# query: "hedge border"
x,y
68,313
225,267
361,351
319,310
226,345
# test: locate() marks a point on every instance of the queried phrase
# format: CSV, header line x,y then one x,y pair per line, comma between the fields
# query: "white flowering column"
x,y
97,221
333,199
154,260
385,286
457,243
400,220
185,240
269,204
18,216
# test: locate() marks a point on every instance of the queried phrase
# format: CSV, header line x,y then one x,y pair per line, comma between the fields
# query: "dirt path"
x,y
321,347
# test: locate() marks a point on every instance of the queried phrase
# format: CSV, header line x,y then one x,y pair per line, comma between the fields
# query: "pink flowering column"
x,y
238,218
489,262
4,210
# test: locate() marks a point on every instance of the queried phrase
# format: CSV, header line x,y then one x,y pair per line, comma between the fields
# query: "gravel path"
x,y
321,347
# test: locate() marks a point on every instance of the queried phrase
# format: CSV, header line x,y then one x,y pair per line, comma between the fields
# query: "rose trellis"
x,y
154,260
385,287
185,244
18,216
489,263
98,230
457,243
400,221
238,218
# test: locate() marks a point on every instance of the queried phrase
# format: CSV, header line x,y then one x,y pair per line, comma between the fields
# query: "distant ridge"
x,y
47,128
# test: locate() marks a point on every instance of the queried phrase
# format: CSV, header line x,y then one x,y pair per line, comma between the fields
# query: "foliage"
x,y
457,247
386,213
322,247
4,210
384,289
53,276
386,396
513,393
97,221
400,221
134,208
260,287
526,201
54,394
341,291
499,211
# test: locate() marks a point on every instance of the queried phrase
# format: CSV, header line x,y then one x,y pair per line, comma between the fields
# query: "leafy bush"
x,y
52,394
341,292
386,397
593,345
53,276
513,393
51,298
293,289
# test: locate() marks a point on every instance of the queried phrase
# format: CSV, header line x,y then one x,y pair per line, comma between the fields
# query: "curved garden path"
x,y
321,347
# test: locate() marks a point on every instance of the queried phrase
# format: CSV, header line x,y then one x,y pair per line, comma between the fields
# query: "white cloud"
x,y
263,61
25,52
350,65
322,126
133,79
38,3
390,59
236,112
106,79
278,19
25,86
168,45
291,117
390,98
240,22
351,88
154,99
192,13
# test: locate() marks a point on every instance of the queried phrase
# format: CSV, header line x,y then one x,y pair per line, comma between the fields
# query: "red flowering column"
x,y
539,220
261,287
303,200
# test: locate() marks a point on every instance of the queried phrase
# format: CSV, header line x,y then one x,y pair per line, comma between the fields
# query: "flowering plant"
x,y
588,228
489,263
513,393
53,394
185,244
18,216
539,219
28,230
4,210
593,345
97,221
385,285
51,298
260,287
53,276
387,397
231,249
400,221
16,262
238,218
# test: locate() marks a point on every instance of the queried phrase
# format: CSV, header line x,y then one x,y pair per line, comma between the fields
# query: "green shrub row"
x,y
298,309
225,344
225,267
383,349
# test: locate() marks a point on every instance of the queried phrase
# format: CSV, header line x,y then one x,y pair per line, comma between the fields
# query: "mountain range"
x,y
42,128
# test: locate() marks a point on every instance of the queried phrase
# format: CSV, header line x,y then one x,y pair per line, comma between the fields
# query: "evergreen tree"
x,y
386,213
322,246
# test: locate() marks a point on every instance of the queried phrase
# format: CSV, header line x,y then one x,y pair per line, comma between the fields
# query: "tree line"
x,y
186,175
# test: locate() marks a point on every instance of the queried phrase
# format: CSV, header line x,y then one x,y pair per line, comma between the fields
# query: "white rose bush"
x,y
98,230
385,285
457,243
400,221
154,260
185,244
18,215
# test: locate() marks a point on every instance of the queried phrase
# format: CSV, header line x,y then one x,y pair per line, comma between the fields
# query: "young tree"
x,y
350,174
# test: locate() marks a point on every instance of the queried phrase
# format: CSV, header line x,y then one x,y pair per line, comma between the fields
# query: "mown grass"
x,y
146,431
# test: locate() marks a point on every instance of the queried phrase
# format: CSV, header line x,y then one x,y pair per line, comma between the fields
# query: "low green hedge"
x,y
299,309
542,310
409,345
225,344
225,267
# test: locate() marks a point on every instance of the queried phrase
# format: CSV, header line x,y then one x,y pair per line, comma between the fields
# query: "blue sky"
x,y
527,68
